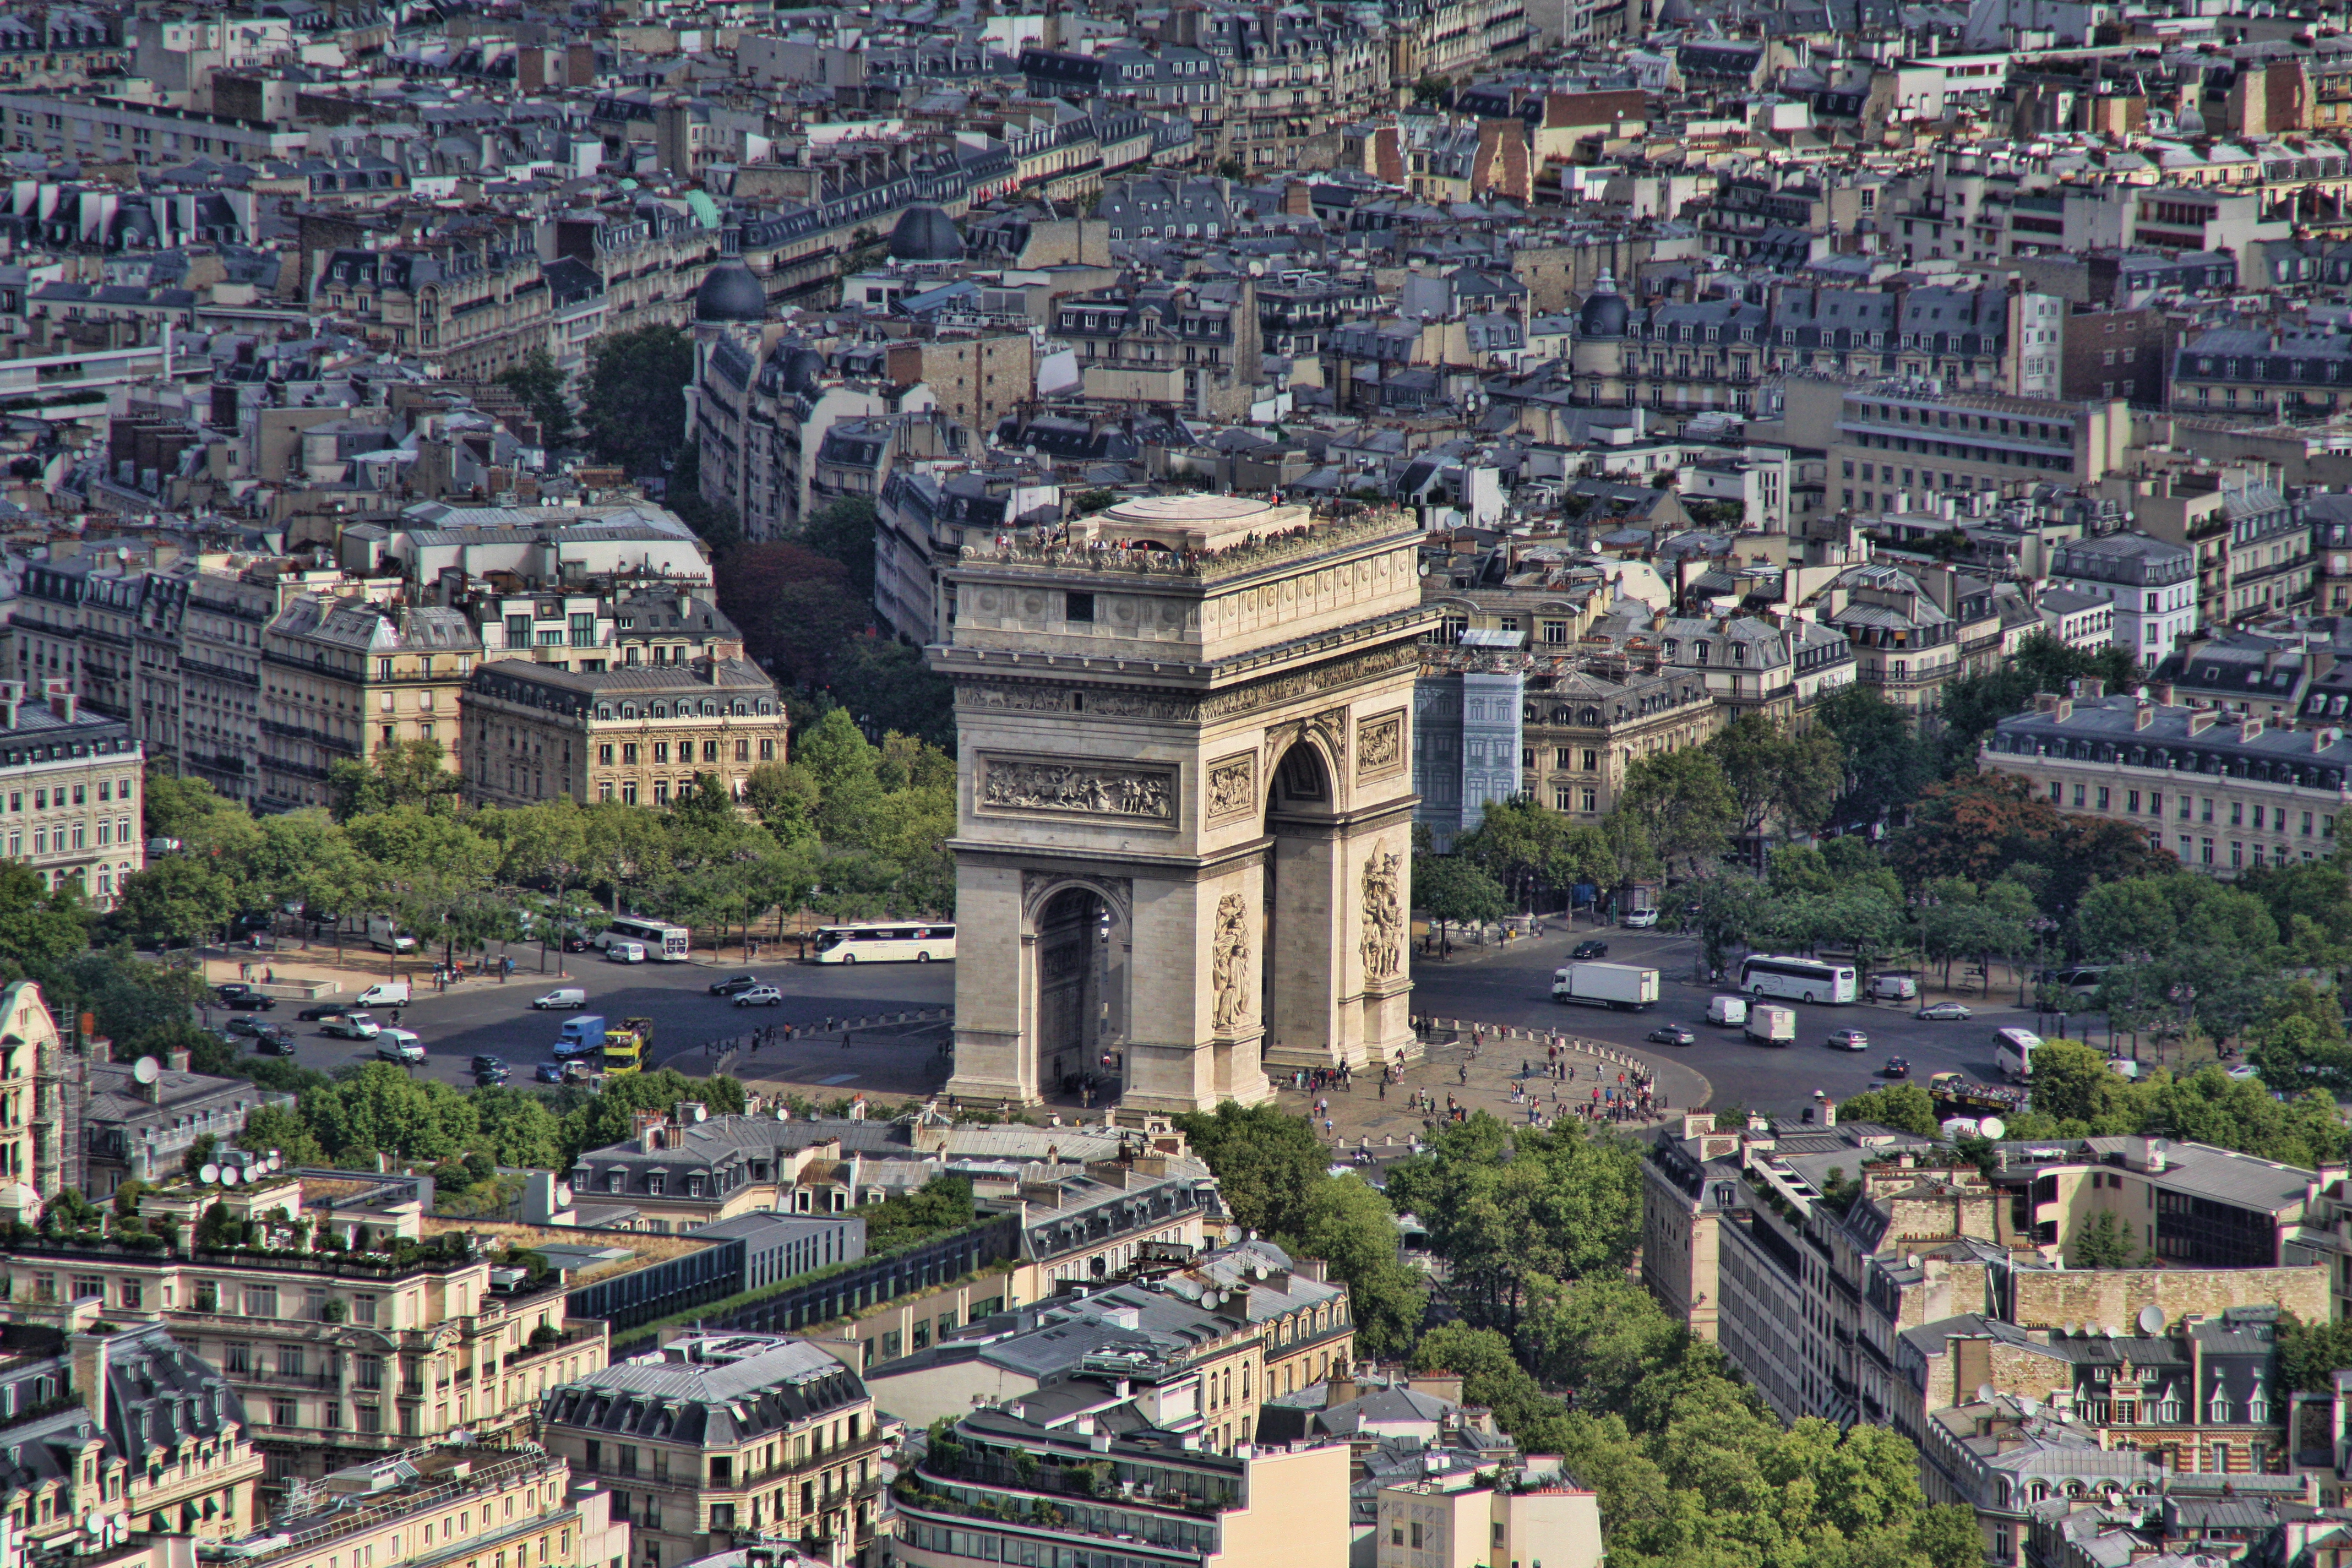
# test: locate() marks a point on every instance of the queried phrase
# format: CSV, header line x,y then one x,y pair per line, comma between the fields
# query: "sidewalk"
x,y
1363,1119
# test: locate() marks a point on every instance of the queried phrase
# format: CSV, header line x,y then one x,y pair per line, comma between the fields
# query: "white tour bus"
x,y
1798,979
665,943
881,942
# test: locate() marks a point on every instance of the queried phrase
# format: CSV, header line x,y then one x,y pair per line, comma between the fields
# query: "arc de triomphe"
x,y
1184,826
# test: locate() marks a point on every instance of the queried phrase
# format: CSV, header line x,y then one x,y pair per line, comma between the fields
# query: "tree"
x,y
1770,771
2311,1354
1451,891
518,1127
889,686
539,384
1503,1206
1885,764
178,898
2106,1242
406,773
1349,1225
1974,828
2073,1083
758,577
1265,1161
1682,801
842,530
38,927
380,1108
1906,1107
284,1129
634,392
809,624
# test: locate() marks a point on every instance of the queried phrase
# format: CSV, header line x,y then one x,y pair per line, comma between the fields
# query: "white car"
x,y
1639,919
626,953
760,997
1849,1040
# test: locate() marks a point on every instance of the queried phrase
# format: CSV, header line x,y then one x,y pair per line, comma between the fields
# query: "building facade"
x,y
72,790
641,735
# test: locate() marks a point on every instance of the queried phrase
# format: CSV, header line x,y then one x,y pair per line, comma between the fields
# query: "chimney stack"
x,y
61,700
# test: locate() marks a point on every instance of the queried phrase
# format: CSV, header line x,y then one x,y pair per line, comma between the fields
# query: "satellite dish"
x,y
146,1069
2110,1331
209,1175
2151,1319
1992,1128
1230,1234
230,1175
1984,1393
2030,1406
92,1522
119,1523
700,1114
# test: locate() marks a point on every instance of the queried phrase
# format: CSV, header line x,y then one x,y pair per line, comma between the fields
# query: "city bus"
x,y
883,942
664,942
1798,979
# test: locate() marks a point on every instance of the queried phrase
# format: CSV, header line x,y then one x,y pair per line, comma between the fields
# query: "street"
x,y
1514,986
1511,986
484,1016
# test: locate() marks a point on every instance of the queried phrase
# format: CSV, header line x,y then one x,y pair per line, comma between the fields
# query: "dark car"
x,y
733,985
489,1077
1896,1067
575,942
235,988
244,1026
1594,948
489,1064
274,1040
549,1072
321,1013
249,1001
1672,1034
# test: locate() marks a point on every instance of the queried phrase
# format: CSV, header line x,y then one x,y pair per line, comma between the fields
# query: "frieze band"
x,y
1042,697
1091,789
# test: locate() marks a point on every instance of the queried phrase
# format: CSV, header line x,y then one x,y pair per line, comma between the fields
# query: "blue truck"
x,y
582,1036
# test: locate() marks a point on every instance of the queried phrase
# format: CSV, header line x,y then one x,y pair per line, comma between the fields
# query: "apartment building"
x,y
343,677
455,1505
978,380
639,734
2223,796
72,791
1109,1494
1906,645
340,1357
116,130
1460,1520
468,296
721,1437
1588,722
1889,437
222,631
611,627
2252,546
2151,583
100,1420
1812,1257
1199,1345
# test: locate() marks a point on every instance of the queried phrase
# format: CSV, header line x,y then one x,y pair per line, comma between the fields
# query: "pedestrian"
x,y
1464,1070
1384,1088
269,977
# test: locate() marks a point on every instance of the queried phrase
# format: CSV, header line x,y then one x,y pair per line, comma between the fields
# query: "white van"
x,y
2013,1054
1731,1011
561,996
402,1046
624,953
384,994
1893,987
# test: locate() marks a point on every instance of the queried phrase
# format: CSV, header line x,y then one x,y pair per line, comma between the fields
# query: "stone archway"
x,y
1198,717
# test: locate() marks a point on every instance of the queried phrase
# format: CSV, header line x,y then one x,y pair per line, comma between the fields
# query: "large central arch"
x,y
1184,835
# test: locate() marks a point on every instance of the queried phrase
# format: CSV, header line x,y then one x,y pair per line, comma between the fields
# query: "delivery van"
x,y
1729,1011
384,993
581,1037
560,997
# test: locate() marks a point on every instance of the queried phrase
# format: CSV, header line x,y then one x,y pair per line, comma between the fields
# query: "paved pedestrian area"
x,y
1480,1067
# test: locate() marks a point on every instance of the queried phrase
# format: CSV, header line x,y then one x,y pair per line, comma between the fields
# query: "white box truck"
x,y
1619,985
1771,1025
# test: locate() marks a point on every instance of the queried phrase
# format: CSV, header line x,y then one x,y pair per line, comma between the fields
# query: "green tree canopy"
x,y
634,392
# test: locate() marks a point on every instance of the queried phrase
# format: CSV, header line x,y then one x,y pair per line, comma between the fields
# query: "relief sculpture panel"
x,y
1380,746
1232,786
1082,789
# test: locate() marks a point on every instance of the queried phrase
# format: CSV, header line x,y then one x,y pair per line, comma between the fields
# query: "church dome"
x,y
1604,314
730,293
926,234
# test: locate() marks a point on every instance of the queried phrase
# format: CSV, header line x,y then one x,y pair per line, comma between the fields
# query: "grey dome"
x,y
803,369
730,293
1604,314
926,234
